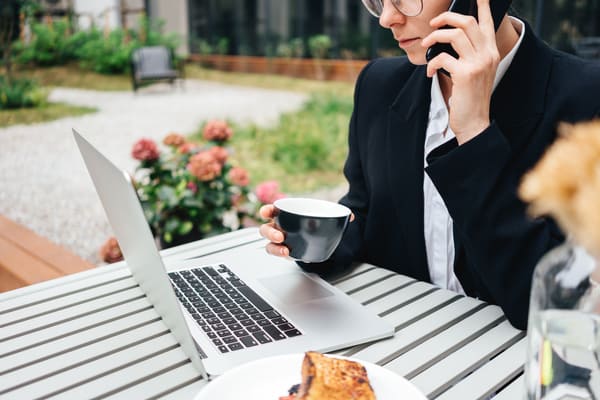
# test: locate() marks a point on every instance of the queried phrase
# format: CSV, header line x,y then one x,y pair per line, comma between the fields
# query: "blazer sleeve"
x,y
357,198
479,180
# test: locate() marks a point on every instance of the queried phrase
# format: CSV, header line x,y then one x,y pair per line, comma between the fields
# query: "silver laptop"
x,y
228,311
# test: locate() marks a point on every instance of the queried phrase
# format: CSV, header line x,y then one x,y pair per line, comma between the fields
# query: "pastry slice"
x,y
333,379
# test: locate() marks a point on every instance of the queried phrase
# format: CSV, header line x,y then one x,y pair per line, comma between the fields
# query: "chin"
x,y
416,59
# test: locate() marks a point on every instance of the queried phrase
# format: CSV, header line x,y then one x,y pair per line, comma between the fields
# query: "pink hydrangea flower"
x,y
267,192
192,186
204,166
174,139
186,148
217,131
145,150
220,153
236,199
239,176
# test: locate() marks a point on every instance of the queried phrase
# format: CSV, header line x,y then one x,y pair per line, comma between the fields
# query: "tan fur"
x,y
565,184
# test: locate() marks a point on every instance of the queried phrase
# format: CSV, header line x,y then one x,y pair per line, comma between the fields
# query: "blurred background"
x,y
274,27
275,77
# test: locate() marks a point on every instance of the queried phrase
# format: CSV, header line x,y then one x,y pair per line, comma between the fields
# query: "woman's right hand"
x,y
271,233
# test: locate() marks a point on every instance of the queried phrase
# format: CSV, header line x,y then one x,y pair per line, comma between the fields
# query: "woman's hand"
x,y
276,237
473,73
271,233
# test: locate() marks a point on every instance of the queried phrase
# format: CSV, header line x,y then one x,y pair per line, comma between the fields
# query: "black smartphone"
x,y
468,7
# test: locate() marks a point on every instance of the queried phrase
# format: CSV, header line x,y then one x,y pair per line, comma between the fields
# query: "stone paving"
x,y
43,181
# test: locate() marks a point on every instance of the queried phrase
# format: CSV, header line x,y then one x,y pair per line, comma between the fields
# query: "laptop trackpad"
x,y
295,288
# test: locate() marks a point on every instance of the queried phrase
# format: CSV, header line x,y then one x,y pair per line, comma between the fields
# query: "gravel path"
x,y
43,181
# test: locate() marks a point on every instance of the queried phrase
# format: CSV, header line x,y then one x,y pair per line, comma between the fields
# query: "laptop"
x,y
230,310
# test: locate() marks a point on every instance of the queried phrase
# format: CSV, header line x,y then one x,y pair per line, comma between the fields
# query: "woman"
x,y
435,160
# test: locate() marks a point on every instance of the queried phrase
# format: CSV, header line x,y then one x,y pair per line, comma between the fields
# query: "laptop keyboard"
x,y
231,314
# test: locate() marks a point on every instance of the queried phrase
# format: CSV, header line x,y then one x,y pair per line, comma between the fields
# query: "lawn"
x,y
304,152
307,149
73,76
271,81
47,112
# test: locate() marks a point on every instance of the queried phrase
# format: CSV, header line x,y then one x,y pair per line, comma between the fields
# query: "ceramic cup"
x,y
313,228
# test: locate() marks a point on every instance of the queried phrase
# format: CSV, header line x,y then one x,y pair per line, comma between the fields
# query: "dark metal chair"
x,y
154,64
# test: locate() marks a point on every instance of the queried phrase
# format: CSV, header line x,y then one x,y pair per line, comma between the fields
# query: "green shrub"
x,y
53,45
50,45
20,93
109,55
283,50
151,34
79,39
297,47
319,45
222,46
309,140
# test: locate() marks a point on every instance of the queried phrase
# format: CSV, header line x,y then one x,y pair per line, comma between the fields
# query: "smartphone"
x,y
468,7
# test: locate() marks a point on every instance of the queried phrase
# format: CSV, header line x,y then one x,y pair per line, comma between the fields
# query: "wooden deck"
x,y
26,257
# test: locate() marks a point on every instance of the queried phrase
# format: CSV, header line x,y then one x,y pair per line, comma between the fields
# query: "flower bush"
x,y
189,191
20,93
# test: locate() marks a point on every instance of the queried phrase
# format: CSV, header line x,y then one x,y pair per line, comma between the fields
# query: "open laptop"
x,y
228,311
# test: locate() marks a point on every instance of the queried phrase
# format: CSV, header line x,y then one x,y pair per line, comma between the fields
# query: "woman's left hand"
x,y
472,73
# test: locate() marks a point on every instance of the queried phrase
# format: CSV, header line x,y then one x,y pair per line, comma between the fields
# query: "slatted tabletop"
x,y
94,334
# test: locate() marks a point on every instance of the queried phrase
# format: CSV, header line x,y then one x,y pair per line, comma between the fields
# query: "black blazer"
x,y
497,244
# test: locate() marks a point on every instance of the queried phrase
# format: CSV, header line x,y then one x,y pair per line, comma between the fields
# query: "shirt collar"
x,y
507,60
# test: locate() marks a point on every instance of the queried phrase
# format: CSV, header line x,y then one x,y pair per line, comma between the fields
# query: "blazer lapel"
x,y
407,122
518,101
517,106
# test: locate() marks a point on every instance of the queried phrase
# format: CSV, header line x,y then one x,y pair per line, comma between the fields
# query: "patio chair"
x,y
154,64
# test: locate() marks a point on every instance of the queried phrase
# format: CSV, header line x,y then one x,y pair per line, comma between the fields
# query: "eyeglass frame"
x,y
394,3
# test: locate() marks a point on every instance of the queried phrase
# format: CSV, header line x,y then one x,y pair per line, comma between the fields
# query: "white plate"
x,y
270,378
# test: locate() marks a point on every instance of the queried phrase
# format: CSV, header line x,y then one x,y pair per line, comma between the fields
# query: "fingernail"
x,y
284,251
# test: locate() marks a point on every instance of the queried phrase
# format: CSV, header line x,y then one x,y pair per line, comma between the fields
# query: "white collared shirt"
x,y
439,238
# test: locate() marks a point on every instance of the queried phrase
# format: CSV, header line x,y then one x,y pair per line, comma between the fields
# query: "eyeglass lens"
x,y
410,8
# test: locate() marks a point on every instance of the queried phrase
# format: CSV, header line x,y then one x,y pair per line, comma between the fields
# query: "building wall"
x,y
107,14
175,15
257,27
100,13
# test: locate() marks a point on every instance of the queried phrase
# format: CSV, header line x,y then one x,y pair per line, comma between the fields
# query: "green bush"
x,y
297,47
319,46
151,34
53,45
20,93
222,46
309,140
204,48
109,55
50,45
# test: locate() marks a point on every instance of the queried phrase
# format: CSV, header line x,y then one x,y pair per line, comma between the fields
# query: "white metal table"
x,y
95,335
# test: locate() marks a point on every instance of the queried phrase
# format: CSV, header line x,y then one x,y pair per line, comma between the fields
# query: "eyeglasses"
x,y
410,8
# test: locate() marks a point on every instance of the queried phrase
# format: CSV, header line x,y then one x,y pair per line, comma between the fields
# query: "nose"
x,y
390,15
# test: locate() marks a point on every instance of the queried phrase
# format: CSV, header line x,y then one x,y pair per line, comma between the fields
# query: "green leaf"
x,y
172,224
168,195
181,186
185,227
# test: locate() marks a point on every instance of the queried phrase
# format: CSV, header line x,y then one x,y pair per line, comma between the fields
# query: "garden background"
x,y
287,125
